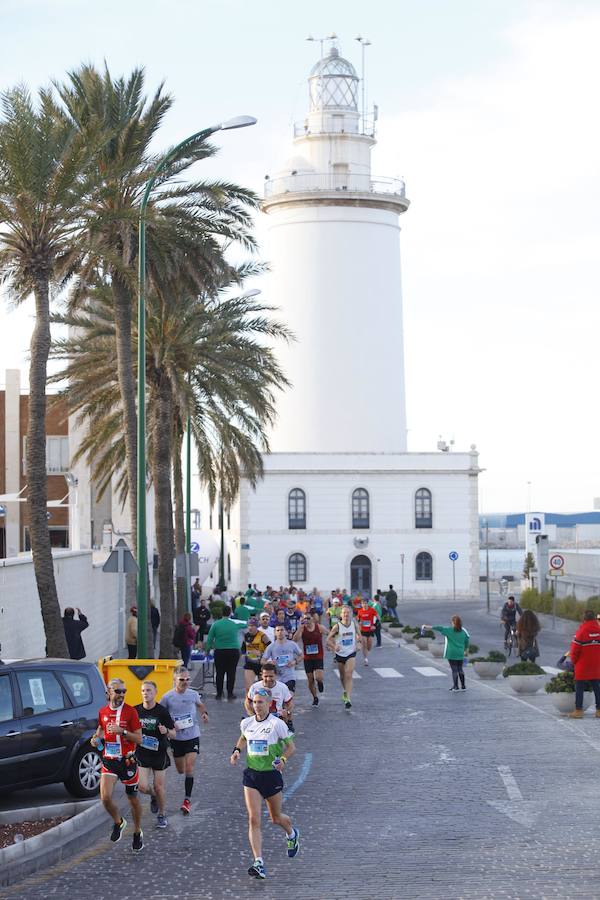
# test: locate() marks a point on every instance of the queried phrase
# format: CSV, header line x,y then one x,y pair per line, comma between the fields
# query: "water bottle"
x,y
276,762
99,745
423,630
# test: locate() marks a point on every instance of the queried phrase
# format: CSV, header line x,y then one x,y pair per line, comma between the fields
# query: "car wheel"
x,y
84,780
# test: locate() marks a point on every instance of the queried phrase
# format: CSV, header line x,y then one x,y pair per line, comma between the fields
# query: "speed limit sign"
x,y
557,561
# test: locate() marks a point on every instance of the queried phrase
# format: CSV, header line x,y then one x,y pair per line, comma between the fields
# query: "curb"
x,y
21,860
35,813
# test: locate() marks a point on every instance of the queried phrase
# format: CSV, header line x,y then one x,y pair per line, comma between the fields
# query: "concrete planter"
x,y
526,684
421,643
395,633
405,635
436,648
565,703
490,670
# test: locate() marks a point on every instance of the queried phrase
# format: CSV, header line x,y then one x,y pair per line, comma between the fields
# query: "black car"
x,y
48,712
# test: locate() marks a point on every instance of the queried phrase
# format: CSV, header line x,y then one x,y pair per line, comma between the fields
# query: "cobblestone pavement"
x,y
416,794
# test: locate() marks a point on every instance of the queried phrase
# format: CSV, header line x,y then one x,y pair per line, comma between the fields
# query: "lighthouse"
x,y
342,503
334,249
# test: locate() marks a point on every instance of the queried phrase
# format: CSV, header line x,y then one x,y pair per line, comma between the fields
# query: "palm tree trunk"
x,y
162,414
37,478
180,544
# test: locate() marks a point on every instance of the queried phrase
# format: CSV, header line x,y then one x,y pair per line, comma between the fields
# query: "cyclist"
x,y
508,616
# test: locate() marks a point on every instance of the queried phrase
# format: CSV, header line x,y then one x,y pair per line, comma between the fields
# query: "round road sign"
x,y
194,547
557,561
453,555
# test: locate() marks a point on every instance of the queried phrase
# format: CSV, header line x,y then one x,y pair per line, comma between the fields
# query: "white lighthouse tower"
x,y
335,256
342,503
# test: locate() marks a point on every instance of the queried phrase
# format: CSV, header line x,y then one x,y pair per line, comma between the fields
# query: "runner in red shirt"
x,y
310,632
116,736
367,618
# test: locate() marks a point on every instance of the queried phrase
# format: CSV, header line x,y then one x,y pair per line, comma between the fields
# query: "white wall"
x,y
79,583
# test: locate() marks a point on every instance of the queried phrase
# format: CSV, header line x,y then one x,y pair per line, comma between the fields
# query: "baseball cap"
x,y
252,620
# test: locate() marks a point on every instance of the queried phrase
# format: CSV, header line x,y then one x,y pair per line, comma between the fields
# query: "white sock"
x,y
291,835
259,859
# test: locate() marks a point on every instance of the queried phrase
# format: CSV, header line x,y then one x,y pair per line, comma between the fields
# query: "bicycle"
x,y
511,641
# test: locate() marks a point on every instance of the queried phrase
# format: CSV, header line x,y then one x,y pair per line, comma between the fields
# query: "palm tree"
x,y
43,193
209,357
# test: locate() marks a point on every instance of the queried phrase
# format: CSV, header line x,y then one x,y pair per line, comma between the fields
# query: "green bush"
x,y
428,634
407,629
472,648
399,625
523,668
566,607
564,683
493,656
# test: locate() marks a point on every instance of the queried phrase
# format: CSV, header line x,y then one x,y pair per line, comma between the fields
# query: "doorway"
x,y
360,575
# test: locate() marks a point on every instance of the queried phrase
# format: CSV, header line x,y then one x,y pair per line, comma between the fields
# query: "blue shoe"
x,y
257,870
293,844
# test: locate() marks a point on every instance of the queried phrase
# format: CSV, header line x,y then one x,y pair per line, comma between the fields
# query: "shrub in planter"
x,y
525,677
489,666
561,688
472,648
523,668
428,634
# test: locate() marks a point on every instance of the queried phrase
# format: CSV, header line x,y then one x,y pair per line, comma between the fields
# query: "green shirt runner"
x,y
266,740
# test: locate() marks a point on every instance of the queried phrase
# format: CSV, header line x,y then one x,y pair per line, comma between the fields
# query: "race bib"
x,y
312,648
258,748
149,742
112,749
347,641
182,722
254,655
283,660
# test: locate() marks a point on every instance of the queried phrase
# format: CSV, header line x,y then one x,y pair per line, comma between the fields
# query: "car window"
x,y
40,692
78,686
6,702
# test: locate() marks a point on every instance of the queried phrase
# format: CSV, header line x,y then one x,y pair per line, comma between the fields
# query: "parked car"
x,y
48,712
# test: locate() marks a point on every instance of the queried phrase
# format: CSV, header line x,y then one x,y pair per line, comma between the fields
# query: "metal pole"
x,y
142,550
454,581
402,582
554,602
188,517
487,565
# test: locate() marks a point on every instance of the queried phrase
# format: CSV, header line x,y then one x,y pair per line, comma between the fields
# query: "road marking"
x,y
354,674
428,671
551,670
510,783
301,777
388,673
525,812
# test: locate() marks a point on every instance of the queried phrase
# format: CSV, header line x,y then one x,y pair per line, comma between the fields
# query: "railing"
x,y
330,125
330,181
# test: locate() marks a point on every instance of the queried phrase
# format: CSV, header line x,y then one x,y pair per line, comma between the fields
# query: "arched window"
x,y
424,567
297,509
296,568
360,508
423,516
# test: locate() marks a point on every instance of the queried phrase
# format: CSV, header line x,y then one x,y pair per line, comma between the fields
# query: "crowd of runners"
x,y
281,629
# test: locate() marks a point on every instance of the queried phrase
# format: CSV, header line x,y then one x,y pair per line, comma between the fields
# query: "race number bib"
x,y
182,722
347,641
312,648
112,749
258,748
149,742
283,660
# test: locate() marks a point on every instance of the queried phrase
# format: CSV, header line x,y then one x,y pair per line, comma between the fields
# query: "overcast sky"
x,y
489,110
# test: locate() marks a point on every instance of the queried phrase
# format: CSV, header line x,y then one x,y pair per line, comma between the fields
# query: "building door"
x,y
360,575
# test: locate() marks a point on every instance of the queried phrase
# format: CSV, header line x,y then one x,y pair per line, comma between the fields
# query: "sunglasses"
x,y
119,690
263,692
185,680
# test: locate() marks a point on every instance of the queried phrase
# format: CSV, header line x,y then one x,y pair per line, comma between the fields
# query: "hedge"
x,y
566,607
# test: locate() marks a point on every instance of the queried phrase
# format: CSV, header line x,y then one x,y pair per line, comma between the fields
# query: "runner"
x,y
285,654
282,698
255,644
153,759
266,738
342,641
263,625
182,703
334,611
366,618
116,737
310,632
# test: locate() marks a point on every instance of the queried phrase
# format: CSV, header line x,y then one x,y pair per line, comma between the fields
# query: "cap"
x,y
252,620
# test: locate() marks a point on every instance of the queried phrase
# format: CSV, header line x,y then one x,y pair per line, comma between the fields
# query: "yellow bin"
x,y
134,671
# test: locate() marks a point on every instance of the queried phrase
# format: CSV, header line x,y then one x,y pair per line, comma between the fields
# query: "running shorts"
x,y
313,665
251,666
180,748
152,759
344,659
266,783
291,685
125,769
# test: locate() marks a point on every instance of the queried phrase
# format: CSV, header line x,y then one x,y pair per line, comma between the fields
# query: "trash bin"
x,y
134,671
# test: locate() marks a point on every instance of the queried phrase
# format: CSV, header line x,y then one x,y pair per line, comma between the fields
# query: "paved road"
x,y
416,794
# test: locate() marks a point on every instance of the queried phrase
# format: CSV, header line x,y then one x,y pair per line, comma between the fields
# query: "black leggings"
x,y
225,665
457,672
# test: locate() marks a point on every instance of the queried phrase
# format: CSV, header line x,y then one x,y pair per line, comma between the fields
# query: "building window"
x,y
195,518
423,517
57,455
296,568
424,567
360,508
297,509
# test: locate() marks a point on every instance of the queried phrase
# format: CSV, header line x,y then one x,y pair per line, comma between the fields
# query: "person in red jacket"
x,y
585,653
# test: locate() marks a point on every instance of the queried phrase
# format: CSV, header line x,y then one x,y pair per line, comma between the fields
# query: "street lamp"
x,y
142,550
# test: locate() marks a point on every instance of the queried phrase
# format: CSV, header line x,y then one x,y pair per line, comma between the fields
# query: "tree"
x,y
528,565
44,192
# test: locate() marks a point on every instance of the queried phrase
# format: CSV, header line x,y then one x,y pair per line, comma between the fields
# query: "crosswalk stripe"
x,y
354,674
428,671
388,673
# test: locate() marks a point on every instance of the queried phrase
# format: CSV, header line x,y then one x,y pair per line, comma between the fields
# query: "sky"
x,y
488,110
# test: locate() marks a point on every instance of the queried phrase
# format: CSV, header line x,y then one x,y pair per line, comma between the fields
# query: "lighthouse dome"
x,y
333,83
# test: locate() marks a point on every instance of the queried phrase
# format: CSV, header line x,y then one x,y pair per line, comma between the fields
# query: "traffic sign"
x,y
453,555
120,560
557,561
194,547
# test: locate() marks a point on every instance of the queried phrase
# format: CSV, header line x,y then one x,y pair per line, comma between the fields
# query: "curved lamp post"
x,y
142,550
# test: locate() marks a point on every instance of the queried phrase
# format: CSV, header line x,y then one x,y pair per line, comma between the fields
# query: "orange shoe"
x,y
186,807
576,714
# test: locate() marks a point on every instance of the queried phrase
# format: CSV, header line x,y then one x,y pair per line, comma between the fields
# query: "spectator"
x,y
73,631
585,653
131,633
185,638
528,628
225,638
196,594
455,648
201,619
155,622
391,602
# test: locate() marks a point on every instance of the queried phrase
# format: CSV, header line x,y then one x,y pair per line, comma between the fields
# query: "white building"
x,y
342,503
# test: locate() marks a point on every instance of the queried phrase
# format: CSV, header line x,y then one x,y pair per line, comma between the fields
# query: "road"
x,y
415,794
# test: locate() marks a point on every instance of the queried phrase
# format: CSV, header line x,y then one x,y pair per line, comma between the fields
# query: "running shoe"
x,y
186,807
153,805
320,686
117,831
452,689
366,661
347,704
257,870
315,701
138,841
161,821
293,844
